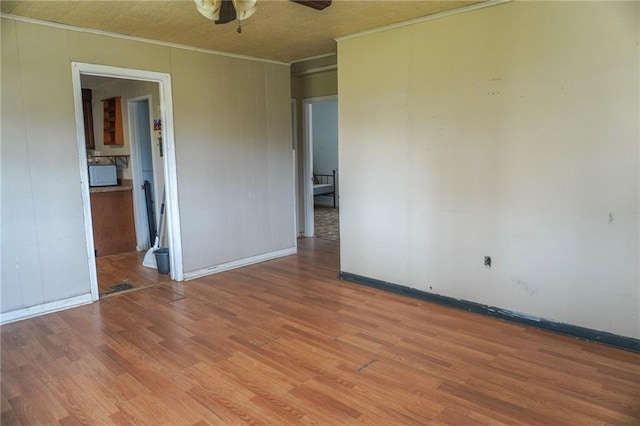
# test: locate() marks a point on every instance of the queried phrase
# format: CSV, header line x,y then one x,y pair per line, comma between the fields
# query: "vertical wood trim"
x,y
638,207
84,180
307,168
294,151
171,178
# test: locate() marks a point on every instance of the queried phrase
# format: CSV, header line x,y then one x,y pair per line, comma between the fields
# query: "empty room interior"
x,y
476,165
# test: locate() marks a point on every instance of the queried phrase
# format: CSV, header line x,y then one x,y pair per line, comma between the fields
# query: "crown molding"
x,y
317,70
311,58
438,15
138,39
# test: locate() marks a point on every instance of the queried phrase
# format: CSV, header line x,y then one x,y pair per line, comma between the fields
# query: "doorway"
x,y
124,221
147,195
168,162
320,167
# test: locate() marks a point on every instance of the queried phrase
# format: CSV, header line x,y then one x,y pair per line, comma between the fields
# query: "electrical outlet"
x,y
487,261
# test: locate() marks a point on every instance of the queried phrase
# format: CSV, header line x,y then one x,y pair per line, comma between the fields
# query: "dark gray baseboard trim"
x,y
603,337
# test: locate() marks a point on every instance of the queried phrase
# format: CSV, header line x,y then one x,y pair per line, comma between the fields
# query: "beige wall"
x,y
510,131
233,148
311,86
240,178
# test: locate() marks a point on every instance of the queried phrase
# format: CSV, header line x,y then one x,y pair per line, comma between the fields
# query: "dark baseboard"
x,y
603,337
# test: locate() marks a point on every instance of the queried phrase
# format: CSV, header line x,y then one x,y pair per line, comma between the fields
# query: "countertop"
x,y
125,185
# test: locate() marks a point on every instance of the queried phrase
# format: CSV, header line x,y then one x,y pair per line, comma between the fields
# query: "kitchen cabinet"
x,y
112,121
87,113
113,223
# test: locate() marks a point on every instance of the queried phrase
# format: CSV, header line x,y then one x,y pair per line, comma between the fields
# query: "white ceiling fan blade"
x,y
245,8
210,9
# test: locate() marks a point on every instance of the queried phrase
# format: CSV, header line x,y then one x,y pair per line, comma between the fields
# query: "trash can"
x,y
162,260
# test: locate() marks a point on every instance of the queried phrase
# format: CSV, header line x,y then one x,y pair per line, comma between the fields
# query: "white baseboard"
x,y
239,263
45,308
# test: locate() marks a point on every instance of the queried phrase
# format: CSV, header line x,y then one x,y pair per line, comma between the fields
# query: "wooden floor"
x,y
126,268
285,342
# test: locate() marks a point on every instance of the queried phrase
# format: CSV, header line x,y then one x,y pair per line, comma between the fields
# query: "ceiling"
x,y
280,30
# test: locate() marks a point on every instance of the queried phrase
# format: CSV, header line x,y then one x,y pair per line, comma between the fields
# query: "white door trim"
x,y
294,147
170,173
307,151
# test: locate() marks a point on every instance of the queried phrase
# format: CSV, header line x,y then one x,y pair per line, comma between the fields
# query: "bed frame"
x,y
325,185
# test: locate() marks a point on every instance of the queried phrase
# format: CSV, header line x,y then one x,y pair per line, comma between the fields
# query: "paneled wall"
x,y
233,147
240,185
510,132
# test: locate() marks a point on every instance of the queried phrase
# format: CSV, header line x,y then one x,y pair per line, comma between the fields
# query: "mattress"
x,y
323,188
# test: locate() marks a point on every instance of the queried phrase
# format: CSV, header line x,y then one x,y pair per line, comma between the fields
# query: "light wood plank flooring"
x,y
285,342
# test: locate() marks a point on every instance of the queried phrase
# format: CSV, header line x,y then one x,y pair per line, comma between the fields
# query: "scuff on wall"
x,y
519,283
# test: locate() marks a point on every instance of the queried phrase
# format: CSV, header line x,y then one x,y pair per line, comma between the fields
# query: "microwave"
x,y
102,175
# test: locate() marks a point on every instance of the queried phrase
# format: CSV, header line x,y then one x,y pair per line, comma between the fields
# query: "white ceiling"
x,y
280,30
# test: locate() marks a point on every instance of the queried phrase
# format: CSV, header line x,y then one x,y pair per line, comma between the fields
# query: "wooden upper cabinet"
x,y
112,121
87,112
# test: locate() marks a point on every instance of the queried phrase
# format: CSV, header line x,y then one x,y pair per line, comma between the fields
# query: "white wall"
x,y
510,131
233,148
324,119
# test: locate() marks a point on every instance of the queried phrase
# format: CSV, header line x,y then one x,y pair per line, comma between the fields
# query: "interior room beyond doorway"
x,y
125,178
321,164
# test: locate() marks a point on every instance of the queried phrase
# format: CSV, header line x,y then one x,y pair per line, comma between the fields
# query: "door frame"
x,y
294,147
169,161
307,162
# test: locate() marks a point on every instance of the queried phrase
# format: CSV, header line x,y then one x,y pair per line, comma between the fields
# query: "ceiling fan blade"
x,y
210,9
315,4
227,12
245,8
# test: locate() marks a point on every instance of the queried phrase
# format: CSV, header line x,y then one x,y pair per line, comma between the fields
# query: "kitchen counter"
x,y
112,216
125,185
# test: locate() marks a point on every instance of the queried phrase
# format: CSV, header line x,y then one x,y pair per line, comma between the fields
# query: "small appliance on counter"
x,y
102,175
